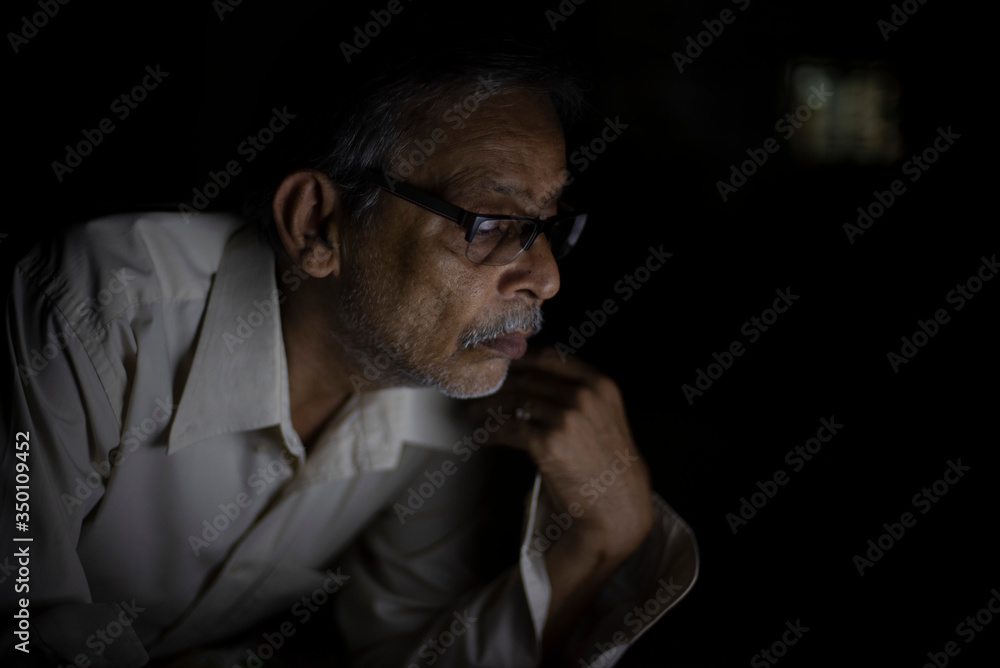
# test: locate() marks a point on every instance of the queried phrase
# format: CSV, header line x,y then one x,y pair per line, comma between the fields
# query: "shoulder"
x,y
98,270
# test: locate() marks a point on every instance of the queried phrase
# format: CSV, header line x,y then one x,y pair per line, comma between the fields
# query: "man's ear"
x,y
308,212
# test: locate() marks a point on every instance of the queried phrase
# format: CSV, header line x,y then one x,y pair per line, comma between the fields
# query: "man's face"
x,y
407,290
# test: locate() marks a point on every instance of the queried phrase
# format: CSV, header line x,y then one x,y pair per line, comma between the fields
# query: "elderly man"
x,y
224,439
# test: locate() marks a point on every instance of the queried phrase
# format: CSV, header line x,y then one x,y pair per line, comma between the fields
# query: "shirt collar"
x,y
371,430
239,381
235,383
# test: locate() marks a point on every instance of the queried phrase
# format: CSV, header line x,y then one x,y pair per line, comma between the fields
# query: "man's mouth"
x,y
507,336
512,345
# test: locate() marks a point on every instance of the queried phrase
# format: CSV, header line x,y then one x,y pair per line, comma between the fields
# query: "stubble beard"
x,y
385,336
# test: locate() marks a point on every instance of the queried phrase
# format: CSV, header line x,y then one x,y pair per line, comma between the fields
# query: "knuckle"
x,y
561,421
606,387
553,454
580,396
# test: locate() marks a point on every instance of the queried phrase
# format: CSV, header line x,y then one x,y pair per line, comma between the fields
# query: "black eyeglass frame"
x,y
471,221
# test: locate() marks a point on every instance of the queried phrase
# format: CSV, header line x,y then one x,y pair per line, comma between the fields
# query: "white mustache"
x,y
530,320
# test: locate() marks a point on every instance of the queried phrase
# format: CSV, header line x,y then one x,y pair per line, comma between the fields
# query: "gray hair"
x,y
371,130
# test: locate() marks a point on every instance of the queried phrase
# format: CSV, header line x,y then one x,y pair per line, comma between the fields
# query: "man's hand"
x,y
572,424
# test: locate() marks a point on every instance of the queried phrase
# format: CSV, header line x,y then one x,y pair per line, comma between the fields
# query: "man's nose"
x,y
535,270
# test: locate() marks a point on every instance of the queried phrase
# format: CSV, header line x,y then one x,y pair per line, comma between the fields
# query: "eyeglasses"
x,y
495,239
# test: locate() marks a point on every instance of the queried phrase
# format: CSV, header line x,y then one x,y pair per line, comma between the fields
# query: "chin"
x,y
475,384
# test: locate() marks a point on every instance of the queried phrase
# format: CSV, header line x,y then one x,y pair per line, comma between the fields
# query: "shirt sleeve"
x,y
415,601
58,406
648,584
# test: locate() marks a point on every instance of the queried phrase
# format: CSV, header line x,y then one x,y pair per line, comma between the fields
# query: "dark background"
x,y
656,184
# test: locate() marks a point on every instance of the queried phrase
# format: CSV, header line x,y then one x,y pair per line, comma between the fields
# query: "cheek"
x,y
456,298
440,292
459,299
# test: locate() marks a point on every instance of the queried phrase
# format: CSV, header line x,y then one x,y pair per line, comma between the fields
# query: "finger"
x,y
527,383
538,410
550,359
516,432
581,389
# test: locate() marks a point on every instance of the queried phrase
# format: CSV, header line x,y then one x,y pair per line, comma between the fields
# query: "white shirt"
x,y
172,504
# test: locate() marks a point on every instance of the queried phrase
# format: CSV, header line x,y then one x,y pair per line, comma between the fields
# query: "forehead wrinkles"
x,y
511,146
518,184
506,158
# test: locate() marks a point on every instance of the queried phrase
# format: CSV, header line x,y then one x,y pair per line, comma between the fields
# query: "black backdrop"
x,y
826,358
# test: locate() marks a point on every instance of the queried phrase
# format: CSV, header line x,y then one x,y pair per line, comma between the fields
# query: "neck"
x,y
318,371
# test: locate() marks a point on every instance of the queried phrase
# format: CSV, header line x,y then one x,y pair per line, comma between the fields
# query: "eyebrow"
x,y
505,188
512,189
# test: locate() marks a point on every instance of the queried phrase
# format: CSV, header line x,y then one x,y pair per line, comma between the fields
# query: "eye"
x,y
493,226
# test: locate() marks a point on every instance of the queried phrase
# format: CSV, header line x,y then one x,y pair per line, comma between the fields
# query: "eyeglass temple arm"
x,y
421,199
